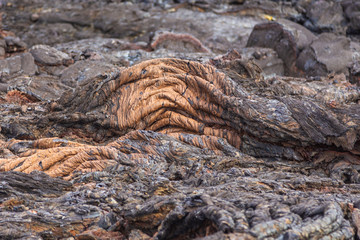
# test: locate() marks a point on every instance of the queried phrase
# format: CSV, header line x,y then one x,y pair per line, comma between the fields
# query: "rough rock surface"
x,y
287,38
17,65
352,13
118,123
322,56
324,16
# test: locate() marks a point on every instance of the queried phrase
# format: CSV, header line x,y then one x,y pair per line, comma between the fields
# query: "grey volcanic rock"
x,y
22,64
267,59
285,37
303,53
42,87
213,143
333,51
355,73
14,44
352,13
130,22
324,16
50,60
2,48
46,55
83,71
328,53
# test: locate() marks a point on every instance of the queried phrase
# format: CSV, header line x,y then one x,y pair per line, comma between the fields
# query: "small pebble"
x,y
34,17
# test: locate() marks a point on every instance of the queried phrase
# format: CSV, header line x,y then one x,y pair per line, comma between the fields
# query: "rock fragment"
x,y
324,16
46,55
50,60
302,52
2,48
177,42
39,87
84,71
328,53
22,64
352,13
95,233
37,183
161,148
354,73
288,39
15,130
267,59
14,44
179,108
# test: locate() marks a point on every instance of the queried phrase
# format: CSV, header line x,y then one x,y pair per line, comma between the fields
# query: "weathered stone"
x,y
22,64
324,16
46,55
14,44
2,53
83,71
80,18
122,115
109,50
42,87
129,22
354,73
160,148
356,219
328,53
352,12
267,59
42,33
3,87
136,234
285,37
123,53
2,48
14,130
95,233
38,183
2,43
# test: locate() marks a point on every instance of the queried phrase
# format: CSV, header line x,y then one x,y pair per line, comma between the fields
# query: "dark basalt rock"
x,y
84,71
328,53
352,12
324,16
37,183
184,181
355,73
303,53
288,39
267,59
174,131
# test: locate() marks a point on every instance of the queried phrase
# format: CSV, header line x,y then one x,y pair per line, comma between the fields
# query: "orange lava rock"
x,y
195,103
15,96
165,95
170,96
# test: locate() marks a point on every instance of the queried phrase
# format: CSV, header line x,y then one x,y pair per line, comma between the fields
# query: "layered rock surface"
x,y
162,131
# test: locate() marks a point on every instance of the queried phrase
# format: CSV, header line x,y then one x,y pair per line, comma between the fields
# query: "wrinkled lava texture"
x,y
179,120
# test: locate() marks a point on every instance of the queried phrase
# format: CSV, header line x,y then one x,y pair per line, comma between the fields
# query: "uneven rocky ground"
x,y
179,119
